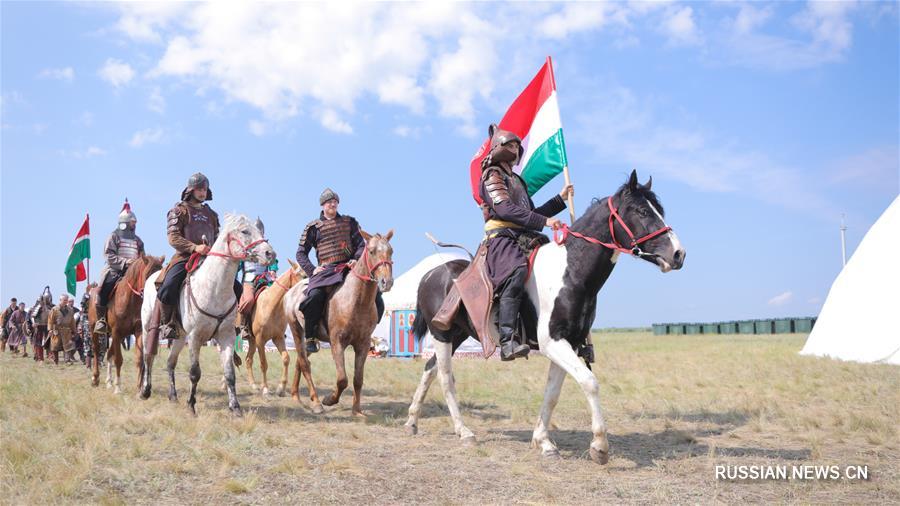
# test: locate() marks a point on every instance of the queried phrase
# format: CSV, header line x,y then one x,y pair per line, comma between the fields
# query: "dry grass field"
x,y
676,407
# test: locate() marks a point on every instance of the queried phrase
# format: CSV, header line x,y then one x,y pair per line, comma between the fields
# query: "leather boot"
x,y
166,319
101,327
508,315
312,308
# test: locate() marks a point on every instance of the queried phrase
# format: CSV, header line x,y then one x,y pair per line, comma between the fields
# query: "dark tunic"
x,y
336,242
503,252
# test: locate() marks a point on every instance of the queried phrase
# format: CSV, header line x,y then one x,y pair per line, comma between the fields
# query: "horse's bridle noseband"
x,y
635,249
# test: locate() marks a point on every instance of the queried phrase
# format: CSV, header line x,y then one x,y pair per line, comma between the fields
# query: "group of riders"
x,y
193,226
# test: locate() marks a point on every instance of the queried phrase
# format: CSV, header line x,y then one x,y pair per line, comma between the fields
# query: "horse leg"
x,y
139,358
147,357
360,352
303,366
541,437
444,354
285,365
95,360
226,352
251,350
415,408
264,369
560,352
177,345
337,353
119,360
195,372
110,358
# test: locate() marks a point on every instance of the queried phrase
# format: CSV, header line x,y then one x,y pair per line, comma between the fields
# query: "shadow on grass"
x,y
647,449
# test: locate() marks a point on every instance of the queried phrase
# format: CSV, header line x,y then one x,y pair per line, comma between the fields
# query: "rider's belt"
x,y
334,260
493,227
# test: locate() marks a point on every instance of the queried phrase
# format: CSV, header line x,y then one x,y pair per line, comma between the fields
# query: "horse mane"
x,y
234,220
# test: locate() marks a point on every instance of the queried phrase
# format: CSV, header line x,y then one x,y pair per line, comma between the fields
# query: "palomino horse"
x,y
208,306
124,319
568,274
269,322
351,316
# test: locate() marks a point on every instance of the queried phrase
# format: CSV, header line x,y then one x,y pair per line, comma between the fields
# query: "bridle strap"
x,y
245,248
560,238
370,267
219,318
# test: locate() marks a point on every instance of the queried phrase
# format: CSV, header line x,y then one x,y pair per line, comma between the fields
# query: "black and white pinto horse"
x,y
568,274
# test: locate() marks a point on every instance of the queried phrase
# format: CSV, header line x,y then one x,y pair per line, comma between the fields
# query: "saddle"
x,y
474,289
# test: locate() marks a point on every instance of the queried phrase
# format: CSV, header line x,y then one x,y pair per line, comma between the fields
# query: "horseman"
x,y
192,229
39,314
61,325
256,277
509,216
338,244
122,247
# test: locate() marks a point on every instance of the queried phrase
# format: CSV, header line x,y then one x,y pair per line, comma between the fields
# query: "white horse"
x,y
563,289
208,305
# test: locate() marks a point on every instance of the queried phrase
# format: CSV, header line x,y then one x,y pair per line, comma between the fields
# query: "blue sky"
x,y
761,124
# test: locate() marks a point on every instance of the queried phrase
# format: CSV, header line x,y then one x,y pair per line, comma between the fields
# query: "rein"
x,y
370,267
560,238
139,293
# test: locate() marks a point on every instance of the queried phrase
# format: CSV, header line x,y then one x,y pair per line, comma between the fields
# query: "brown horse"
x,y
269,323
351,317
124,319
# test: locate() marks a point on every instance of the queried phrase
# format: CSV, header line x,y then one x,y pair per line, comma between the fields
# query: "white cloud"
x,y
579,17
257,128
781,299
89,152
147,136
156,102
750,18
62,74
332,121
679,25
116,72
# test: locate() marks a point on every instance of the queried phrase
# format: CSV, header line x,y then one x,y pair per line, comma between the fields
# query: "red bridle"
x,y
615,245
245,248
370,267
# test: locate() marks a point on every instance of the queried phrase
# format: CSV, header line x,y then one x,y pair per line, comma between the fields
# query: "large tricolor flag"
x,y
534,117
81,250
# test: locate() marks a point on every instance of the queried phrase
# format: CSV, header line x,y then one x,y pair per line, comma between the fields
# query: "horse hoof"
x,y
173,398
145,393
552,454
318,409
237,412
360,415
280,392
95,383
329,401
412,430
192,410
599,457
254,387
468,441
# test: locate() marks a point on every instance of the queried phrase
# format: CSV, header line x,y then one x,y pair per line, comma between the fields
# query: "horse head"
x,y
638,223
377,259
240,239
633,221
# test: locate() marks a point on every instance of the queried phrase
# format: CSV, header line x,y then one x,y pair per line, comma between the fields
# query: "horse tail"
x,y
420,326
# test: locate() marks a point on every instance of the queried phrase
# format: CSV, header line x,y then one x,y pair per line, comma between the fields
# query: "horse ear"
x,y
162,259
387,237
293,264
633,180
649,183
365,235
491,129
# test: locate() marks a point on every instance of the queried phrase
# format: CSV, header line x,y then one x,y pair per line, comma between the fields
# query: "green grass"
x,y
675,407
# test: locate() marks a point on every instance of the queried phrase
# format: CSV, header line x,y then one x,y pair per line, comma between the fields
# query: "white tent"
x,y
404,293
858,321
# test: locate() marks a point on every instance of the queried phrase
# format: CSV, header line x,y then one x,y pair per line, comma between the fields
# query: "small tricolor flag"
x,y
81,250
534,117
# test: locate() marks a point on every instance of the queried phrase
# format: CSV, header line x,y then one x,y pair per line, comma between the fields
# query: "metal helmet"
x,y
46,295
198,180
327,195
260,226
499,139
126,216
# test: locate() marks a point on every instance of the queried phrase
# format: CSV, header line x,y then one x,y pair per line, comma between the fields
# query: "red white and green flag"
x,y
81,250
534,117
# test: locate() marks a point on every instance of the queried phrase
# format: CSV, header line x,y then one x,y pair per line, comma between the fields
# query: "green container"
x,y
676,328
659,329
728,328
692,328
803,325
746,327
764,326
784,326
710,328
